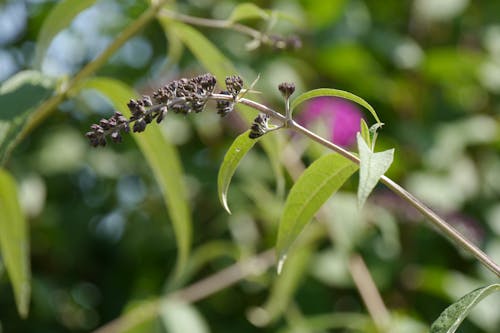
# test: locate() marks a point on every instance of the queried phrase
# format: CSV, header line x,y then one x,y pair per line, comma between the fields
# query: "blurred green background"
x,y
101,240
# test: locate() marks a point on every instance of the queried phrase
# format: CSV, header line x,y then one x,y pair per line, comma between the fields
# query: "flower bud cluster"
x,y
111,126
187,95
234,84
180,96
259,127
286,89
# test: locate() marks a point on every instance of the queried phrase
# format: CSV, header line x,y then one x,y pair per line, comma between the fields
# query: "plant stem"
x,y
369,292
211,23
49,106
450,232
252,266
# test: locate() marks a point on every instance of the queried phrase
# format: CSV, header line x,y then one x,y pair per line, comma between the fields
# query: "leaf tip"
x,y
223,200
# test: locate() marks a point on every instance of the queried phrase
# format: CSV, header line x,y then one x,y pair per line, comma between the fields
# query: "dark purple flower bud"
x,y
161,114
234,84
104,123
259,127
116,137
139,125
146,100
286,89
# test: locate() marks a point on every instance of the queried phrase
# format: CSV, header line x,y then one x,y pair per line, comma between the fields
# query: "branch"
x,y
49,106
199,290
450,232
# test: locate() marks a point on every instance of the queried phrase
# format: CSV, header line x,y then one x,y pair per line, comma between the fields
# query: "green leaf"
x,y
272,146
239,148
365,132
372,166
318,182
204,50
335,93
175,46
163,159
19,97
451,318
216,63
247,11
14,243
287,282
58,19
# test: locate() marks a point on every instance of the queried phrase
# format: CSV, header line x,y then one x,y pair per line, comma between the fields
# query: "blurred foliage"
x,y
101,239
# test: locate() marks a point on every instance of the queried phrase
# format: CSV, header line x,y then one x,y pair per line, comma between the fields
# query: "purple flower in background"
x,y
341,117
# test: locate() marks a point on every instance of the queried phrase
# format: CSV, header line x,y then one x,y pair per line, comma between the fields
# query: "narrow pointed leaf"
x,y
372,166
286,283
451,318
19,97
175,46
335,93
204,50
247,11
365,132
318,182
58,19
216,63
14,243
239,148
163,159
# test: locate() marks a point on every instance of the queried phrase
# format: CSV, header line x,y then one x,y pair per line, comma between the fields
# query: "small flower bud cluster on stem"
x,y
286,89
278,42
181,96
260,126
234,84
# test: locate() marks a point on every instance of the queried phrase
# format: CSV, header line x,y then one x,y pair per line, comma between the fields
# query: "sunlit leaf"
x,y
163,159
181,317
247,11
175,46
451,318
58,19
318,182
14,242
204,50
372,166
365,132
239,148
216,63
335,93
19,97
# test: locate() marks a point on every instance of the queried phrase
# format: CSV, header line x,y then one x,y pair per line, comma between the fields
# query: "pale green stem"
x,y
450,232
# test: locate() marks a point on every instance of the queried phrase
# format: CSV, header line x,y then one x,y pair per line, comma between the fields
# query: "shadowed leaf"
x,y
246,11
239,148
451,318
19,97
58,19
14,243
215,62
372,166
163,159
